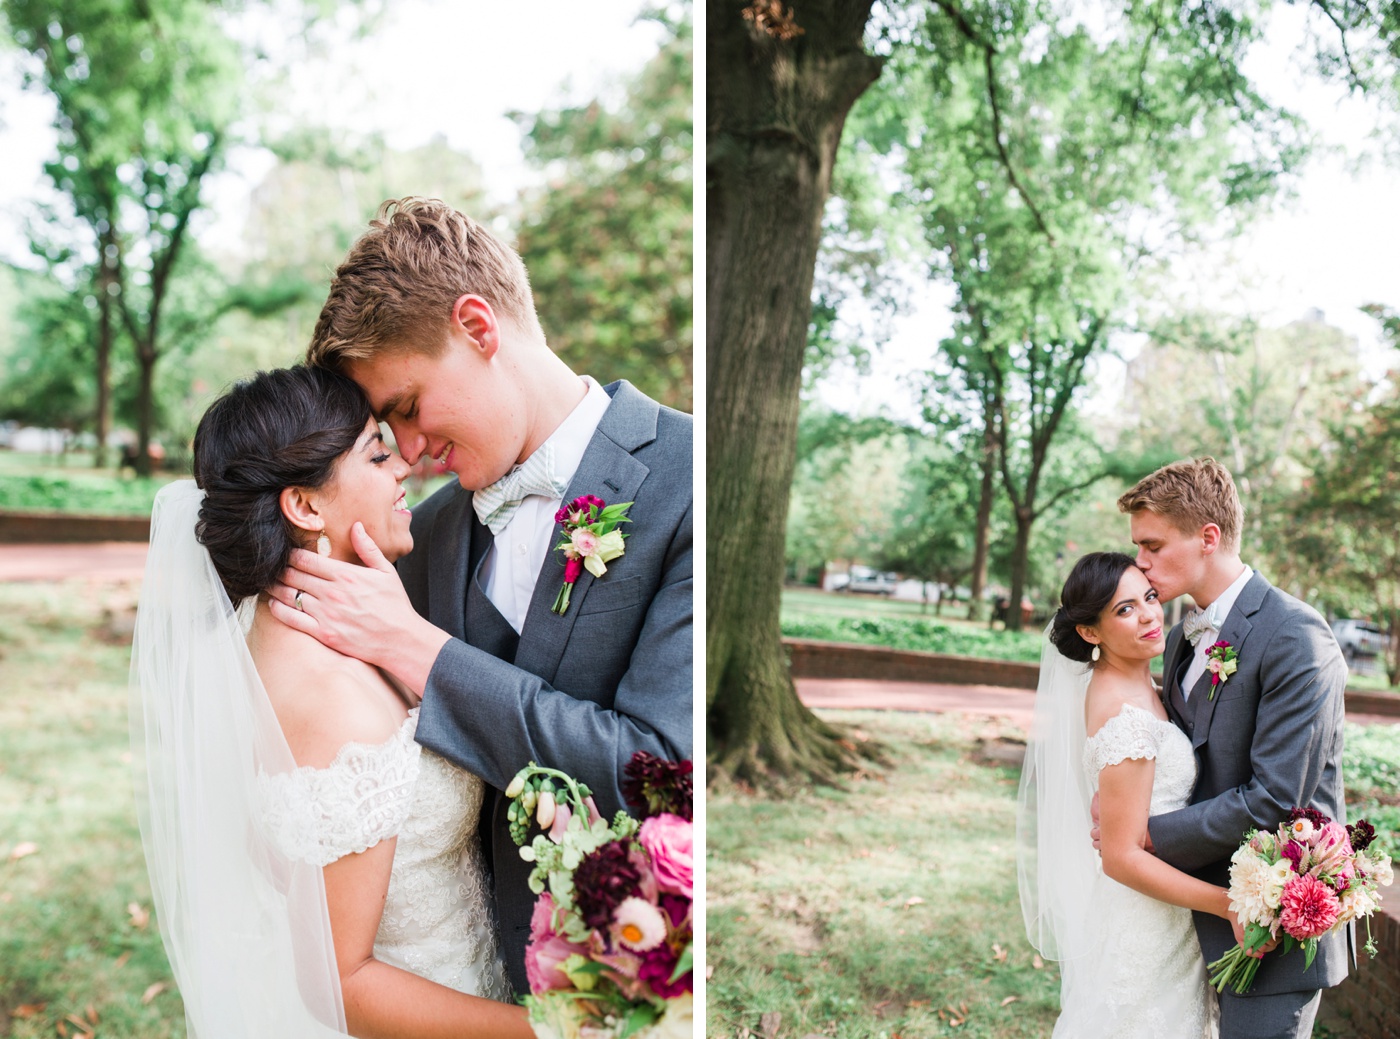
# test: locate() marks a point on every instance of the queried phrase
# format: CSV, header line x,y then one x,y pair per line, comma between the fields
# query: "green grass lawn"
x,y
70,853
890,908
873,620
887,908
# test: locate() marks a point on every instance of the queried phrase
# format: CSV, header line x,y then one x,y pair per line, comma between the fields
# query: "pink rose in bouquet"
x,y
669,840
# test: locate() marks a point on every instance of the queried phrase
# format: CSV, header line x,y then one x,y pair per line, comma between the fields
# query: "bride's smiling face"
x,y
367,487
1130,627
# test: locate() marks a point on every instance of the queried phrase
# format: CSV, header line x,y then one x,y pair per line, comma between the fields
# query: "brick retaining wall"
x,y
812,658
1367,1004
32,528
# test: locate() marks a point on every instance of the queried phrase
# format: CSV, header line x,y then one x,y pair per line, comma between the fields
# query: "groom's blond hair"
x,y
397,286
1190,494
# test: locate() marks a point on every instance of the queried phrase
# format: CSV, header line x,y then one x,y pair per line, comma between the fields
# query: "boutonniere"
x,y
1221,663
591,540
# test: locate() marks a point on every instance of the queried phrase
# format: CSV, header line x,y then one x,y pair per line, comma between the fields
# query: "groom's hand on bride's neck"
x,y
360,611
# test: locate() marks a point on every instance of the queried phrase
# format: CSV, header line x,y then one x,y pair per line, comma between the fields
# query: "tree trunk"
x,y
145,410
1020,563
105,281
982,534
777,102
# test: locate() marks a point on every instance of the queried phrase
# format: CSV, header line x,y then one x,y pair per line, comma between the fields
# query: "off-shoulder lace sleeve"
x,y
1130,734
318,815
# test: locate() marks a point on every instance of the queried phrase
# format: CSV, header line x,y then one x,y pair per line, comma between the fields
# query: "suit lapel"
x,y
1171,685
452,549
1235,631
609,471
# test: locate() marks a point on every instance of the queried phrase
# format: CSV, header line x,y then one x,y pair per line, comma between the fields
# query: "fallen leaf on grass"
x,y
91,1013
121,960
152,991
139,917
28,1009
879,1008
917,1003
1008,1001
83,1027
998,953
62,1029
1037,962
770,1023
913,900
22,849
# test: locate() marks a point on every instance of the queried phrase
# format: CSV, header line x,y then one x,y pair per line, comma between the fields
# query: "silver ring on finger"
x,y
296,601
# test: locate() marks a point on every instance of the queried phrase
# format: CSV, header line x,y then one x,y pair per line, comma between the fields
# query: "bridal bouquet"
x,y
610,940
1306,879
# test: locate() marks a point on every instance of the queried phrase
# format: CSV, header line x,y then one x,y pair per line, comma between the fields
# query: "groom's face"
x,y
451,407
1171,558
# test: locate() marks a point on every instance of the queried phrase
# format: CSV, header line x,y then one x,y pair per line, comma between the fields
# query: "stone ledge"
x,y
813,658
29,528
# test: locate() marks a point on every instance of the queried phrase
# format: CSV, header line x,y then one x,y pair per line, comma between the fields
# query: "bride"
x,y
315,872
1130,963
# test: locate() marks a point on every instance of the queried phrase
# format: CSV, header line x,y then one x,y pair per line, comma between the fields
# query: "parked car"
x,y
873,582
1360,639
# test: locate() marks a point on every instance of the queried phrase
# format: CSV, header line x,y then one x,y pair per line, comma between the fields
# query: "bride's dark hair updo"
x,y
284,428
1088,590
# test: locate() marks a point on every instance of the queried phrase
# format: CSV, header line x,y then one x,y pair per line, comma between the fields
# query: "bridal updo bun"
x,y
284,428
1088,590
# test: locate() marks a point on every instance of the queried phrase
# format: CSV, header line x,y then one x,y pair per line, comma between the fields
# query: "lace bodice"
x,y
1136,733
1143,975
437,917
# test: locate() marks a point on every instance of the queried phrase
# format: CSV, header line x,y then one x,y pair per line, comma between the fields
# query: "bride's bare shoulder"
x,y
1105,698
322,699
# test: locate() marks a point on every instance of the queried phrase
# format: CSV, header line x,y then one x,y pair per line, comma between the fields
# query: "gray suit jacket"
x,y
578,692
1268,739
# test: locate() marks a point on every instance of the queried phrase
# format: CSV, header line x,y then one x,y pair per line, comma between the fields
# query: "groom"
x,y
433,317
1267,739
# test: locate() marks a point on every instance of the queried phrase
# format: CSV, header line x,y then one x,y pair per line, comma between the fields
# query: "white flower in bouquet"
x,y
1253,885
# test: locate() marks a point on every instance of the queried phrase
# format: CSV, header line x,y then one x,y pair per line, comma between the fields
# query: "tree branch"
x,y
988,55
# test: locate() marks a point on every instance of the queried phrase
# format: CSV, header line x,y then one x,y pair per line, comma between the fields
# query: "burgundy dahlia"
x,y
653,786
603,879
1362,834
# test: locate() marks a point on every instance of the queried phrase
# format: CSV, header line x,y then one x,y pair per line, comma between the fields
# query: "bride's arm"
x,y
384,1002
1125,795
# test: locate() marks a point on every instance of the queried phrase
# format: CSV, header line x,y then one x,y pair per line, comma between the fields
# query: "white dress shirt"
x,y
513,562
1210,636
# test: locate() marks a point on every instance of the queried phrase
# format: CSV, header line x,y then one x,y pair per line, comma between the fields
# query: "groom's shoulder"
x,y
650,429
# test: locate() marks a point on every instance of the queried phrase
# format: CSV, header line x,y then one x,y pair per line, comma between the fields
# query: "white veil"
x,y
1056,864
245,928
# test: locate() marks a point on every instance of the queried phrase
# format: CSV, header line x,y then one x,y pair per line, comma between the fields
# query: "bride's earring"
x,y
1094,656
323,545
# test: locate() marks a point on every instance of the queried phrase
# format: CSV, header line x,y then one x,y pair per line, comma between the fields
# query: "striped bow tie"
x,y
495,504
1198,622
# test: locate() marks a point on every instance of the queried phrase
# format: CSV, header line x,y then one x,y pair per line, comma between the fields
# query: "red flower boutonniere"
x,y
591,540
1220,662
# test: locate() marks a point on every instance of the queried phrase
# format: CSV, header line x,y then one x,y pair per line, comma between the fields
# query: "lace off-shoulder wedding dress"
x,y
437,918
1142,973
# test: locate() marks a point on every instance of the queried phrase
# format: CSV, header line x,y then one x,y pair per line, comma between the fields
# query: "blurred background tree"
x,y
142,297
